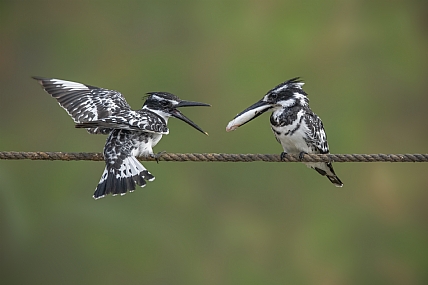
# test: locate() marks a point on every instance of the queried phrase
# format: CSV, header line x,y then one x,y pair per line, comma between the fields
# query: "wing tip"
x,y
40,79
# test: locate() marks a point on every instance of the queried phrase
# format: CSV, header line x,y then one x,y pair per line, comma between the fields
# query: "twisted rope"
x,y
225,157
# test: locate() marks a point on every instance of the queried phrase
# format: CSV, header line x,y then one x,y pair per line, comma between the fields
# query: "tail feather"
x,y
129,184
119,181
335,180
326,169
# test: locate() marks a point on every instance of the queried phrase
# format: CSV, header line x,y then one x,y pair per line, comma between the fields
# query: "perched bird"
x,y
296,127
131,133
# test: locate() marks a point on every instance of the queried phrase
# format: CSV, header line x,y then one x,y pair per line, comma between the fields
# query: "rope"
x,y
225,157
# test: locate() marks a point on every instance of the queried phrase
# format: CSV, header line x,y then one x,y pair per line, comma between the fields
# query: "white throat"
x,y
161,113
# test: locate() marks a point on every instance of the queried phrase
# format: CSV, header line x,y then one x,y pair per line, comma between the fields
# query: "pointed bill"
x,y
184,103
176,113
247,115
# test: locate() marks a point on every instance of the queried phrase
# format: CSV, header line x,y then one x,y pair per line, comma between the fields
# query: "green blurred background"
x,y
365,65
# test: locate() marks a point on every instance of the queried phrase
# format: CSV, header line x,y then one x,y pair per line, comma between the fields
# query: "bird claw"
x,y
301,155
158,155
283,154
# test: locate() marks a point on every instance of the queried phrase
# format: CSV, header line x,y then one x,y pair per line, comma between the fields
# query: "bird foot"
x,y
283,154
301,155
158,155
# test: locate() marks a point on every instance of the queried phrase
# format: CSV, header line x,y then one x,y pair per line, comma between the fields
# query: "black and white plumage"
x,y
296,127
132,133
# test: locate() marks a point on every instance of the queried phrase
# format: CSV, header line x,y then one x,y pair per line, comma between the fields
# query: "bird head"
x,y
285,95
166,104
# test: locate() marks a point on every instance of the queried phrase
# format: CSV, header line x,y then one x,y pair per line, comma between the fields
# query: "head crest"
x,y
292,83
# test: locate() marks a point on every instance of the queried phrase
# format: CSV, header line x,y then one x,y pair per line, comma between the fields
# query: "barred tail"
x,y
119,181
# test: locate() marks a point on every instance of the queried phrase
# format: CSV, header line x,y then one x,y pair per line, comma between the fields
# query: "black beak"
x,y
176,113
248,114
190,104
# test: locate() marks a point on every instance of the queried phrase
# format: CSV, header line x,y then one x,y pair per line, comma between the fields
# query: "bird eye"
x,y
273,96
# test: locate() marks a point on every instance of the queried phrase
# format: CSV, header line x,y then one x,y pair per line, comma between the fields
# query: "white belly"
x,y
294,143
146,149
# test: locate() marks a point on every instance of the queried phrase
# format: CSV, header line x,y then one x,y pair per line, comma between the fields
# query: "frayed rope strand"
x,y
224,157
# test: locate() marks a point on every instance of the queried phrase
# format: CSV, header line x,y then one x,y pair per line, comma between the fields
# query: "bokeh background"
x,y
365,64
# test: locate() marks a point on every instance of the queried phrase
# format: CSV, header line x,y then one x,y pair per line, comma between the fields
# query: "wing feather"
x,y
84,103
142,120
100,110
316,133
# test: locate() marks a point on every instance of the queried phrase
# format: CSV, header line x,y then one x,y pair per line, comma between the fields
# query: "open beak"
x,y
176,113
248,114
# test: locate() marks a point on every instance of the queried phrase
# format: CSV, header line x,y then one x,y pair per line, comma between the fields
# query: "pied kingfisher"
x,y
131,133
296,127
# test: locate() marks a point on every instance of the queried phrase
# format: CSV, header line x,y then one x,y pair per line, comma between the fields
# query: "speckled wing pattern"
x,y
84,103
317,140
316,137
140,120
98,109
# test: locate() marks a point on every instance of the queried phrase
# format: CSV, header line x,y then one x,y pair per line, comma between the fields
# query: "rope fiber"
x,y
224,157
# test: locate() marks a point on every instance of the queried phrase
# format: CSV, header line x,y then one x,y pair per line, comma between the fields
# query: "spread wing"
x,y
84,103
316,135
